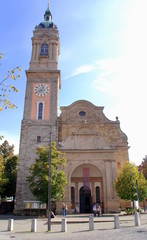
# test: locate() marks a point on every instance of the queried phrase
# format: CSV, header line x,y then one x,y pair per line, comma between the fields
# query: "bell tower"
x,y
43,76
41,102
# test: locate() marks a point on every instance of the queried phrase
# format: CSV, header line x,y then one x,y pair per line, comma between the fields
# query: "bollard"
x,y
34,225
10,225
116,222
91,223
64,225
137,219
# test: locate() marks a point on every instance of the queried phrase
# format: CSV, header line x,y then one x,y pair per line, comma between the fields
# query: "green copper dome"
x,y
47,23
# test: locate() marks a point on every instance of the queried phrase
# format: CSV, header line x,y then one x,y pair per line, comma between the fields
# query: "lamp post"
x,y
49,182
137,192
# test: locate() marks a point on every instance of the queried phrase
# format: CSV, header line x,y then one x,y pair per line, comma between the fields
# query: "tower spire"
x,y
47,23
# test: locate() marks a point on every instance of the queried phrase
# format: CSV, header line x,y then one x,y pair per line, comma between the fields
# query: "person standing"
x,y
63,209
94,209
97,209
100,211
66,209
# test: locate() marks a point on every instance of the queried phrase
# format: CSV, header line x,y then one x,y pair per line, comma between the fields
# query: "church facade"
x,y
94,146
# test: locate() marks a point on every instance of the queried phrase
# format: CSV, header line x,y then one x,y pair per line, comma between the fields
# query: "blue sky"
x,y
103,56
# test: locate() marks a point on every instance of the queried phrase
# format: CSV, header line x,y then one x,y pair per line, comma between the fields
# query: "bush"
x,y
130,211
139,210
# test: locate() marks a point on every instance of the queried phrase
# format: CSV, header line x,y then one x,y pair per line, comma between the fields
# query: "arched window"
x,y
98,195
44,49
40,111
72,195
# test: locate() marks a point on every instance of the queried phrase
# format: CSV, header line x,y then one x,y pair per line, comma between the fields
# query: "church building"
x,y
94,146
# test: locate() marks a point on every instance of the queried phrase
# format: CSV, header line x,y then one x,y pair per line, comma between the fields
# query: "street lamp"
x,y
137,191
49,181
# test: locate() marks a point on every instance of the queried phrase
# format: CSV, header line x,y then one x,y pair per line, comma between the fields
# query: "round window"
x,y
82,113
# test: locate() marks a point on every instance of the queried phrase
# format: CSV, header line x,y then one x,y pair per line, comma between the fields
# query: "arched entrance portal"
x,y
85,200
86,189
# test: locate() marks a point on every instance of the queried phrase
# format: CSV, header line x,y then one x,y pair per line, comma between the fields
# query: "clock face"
x,y
41,90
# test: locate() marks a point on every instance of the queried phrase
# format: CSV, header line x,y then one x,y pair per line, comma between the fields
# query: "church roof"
x,y
47,23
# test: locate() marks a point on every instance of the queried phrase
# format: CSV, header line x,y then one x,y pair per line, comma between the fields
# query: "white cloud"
x,y
106,65
119,76
81,70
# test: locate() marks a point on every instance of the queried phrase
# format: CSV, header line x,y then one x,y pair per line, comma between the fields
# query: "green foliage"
x,y
143,167
8,170
6,150
139,210
11,174
130,211
3,179
125,184
39,171
142,185
7,86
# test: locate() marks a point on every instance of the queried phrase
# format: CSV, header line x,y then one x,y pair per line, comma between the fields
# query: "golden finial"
x,y
48,4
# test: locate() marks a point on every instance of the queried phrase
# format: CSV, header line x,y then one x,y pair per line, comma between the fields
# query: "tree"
x,y
143,167
38,178
11,175
6,89
6,150
3,179
8,170
125,184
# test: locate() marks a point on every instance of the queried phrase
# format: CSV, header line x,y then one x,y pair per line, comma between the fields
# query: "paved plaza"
x,y
77,228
